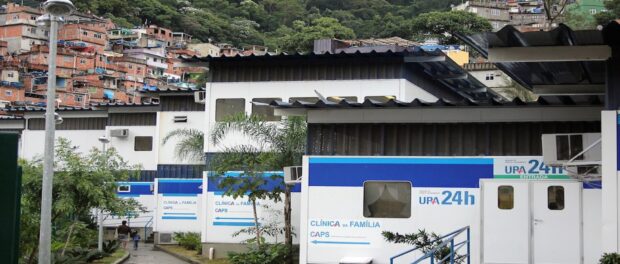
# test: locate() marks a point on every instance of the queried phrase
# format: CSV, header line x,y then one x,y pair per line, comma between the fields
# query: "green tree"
x,y
613,12
271,146
302,39
82,182
444,25
578,19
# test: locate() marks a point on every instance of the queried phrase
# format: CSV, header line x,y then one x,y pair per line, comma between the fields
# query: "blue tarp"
x,y
109,94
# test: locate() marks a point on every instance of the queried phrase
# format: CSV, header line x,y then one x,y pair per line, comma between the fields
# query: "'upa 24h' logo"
x,y
448,198
533,167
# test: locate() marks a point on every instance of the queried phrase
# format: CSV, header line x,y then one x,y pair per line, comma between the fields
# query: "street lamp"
x,y
54,9
104,140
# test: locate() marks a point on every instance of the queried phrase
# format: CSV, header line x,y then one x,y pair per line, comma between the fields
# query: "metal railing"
x,y
446,241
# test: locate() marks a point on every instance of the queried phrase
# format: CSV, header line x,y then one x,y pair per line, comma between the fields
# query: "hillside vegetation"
x,y
269,22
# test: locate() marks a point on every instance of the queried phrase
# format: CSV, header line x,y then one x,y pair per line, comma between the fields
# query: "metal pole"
x,y
100,215
45,232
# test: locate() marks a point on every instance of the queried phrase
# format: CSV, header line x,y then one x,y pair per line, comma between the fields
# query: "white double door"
x,y
531,222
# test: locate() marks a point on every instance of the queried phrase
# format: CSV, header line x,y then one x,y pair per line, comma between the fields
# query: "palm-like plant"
x,y
189,145
270,146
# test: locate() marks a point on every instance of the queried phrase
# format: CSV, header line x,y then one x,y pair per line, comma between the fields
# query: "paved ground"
x,y
146,255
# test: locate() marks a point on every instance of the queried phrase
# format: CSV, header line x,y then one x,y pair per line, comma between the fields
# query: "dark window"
x,y
124,188
228,107
387,199
567,146
555,198
505,197
143,144
265,111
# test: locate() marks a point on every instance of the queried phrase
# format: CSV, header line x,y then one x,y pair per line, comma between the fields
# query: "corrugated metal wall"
x,y
132,119
171,171
179,103
378,68
457,139
93,123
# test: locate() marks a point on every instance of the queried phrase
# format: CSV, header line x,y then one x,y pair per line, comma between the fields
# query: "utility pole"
x,y
54,9
104,140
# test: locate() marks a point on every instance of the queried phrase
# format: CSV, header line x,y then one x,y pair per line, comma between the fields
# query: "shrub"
x,y
265,254
610,258
110,246
189,241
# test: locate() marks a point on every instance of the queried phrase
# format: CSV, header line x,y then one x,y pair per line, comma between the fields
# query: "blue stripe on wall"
x,y
180,194
179,217
420,175
178,186
380,160
233,223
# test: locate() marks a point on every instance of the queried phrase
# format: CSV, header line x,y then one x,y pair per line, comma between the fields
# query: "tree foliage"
x,y
444,25
189,145
270,146
268,22
613,12
81,182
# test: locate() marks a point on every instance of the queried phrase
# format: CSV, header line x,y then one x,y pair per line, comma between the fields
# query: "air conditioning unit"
x,y
200,97
119,132
559,149
292,174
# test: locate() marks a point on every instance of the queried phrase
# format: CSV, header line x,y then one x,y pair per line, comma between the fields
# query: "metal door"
x,y
556,218
505,221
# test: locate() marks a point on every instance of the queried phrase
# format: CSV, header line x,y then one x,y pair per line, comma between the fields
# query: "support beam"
x,y
550,54
571,89
409,59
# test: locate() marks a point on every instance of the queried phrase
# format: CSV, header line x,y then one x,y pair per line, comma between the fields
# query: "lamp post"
x,y
104,140
54,10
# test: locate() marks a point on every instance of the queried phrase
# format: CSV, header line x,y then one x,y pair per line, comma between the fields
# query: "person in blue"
x,y
136,238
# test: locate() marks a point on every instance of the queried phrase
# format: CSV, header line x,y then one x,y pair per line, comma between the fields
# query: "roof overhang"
x,y
549,53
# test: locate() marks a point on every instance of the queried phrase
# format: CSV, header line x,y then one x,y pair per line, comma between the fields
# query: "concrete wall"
x,y
195,120
402,89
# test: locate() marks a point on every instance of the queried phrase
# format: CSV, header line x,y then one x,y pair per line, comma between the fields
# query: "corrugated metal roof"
x,y
42,109
434,63
173,90
123,104
542,101
93,107
5,117
530,74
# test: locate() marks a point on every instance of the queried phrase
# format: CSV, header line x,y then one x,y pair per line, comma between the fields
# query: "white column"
x,y
609,124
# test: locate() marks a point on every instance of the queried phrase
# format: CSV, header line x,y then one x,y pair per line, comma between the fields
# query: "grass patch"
x,y
192,254
112,258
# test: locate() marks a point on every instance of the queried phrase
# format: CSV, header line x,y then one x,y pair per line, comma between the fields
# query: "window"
x,y
85,33
505,197
125,188
82,61
228,107
387,199
304,99
79,98
155,31
10,74
489,76
143,144
8,93
381,99
180,119
555,198
593,11
130,66
33,17
567,146
15,17
264,110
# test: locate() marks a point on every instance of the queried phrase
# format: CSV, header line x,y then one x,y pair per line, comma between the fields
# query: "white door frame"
x,y
530,212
